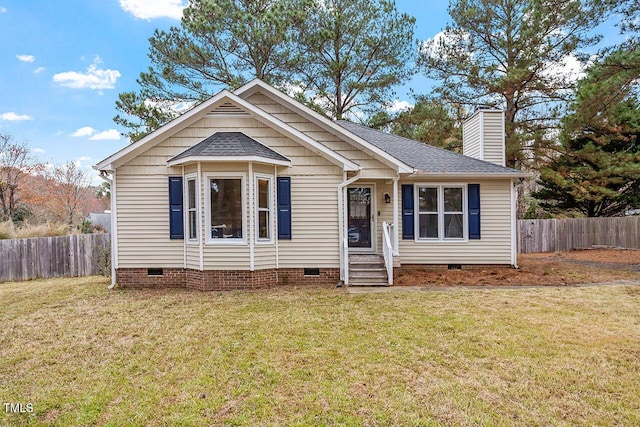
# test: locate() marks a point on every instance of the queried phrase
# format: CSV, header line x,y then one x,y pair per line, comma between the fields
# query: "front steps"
x,y
367,270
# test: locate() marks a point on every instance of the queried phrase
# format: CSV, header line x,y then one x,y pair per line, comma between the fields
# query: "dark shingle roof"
x,y
230,144
424,157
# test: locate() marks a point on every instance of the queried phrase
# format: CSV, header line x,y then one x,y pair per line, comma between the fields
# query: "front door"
x,y
359,226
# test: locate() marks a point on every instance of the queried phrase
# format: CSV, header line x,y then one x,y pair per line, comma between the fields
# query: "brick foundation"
x,y
220,280
139,278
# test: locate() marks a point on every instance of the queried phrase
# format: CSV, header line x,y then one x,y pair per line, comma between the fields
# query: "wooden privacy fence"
x,y
551,235
63,256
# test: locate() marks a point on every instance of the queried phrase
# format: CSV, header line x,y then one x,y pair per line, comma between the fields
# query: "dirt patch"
x,y
565,268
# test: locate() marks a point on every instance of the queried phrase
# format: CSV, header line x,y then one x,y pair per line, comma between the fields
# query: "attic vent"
x,y
228,109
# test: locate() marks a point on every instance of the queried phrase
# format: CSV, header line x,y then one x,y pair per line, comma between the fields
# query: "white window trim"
x,y
187,178
258,240
207,208
416,212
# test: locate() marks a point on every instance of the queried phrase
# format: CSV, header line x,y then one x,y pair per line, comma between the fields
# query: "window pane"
x,y
453,226
263,193
263,225
428,199
192,225
428,226
192,193
226,208
453,199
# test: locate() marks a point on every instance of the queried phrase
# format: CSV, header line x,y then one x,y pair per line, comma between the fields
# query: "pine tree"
x,y
597,170
505,54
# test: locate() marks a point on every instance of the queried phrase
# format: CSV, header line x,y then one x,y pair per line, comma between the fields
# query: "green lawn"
x,y
83,355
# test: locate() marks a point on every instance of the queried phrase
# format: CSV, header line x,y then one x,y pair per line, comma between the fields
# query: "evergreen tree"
x,y
352,52
429,120
505,54
597,169
219,44
344,56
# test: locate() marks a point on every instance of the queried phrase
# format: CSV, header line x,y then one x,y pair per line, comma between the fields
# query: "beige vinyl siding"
x,y
471,137
143,223
314,223
193,256
314,204
493,137
494,247
372,168
483,137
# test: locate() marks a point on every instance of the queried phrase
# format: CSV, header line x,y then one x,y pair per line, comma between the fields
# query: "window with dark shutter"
x,y
407,211
474,210
284,207
176,218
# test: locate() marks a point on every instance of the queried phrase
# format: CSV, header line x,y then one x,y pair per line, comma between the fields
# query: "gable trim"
x,y
200,111
256,159
257,85
289,131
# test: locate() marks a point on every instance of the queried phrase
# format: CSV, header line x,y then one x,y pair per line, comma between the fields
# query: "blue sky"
x,y
63,64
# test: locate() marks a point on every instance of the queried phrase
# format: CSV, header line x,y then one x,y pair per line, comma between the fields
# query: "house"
x,y
252,189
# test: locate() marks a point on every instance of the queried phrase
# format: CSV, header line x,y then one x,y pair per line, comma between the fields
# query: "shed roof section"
x,y
426,158
229,145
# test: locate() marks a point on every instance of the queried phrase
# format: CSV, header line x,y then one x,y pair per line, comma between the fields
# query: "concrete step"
x,y
382,275
368,283
372,258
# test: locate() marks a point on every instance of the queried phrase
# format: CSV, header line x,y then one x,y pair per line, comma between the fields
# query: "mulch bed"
x,y
553,269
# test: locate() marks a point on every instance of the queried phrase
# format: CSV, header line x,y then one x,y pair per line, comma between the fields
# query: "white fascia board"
x,y
177,124
256,159
289,131
327,124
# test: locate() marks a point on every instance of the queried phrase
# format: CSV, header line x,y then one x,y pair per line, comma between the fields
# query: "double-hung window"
x,y
192,209
263,209
225,216
441,212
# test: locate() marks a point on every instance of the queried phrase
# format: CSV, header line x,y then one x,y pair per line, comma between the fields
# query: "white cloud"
x,y
569,68
84,131
38,150
38,70
84,159
26,58
399,106
94,78
150,9
111,135
13,117
3,9
172,108
437,46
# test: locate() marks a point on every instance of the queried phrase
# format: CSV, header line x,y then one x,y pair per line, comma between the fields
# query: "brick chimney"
x,y
483,136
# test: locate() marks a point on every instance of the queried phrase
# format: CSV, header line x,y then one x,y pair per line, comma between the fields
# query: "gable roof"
x,y
132,150
425,158
229,146
325,123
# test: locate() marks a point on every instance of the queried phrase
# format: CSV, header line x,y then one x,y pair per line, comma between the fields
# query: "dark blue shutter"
x,y
474,210
284,207
407,211
176,218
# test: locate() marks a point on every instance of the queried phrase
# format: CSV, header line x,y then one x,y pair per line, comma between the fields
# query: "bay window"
x,y
192,210
263,208
225,217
